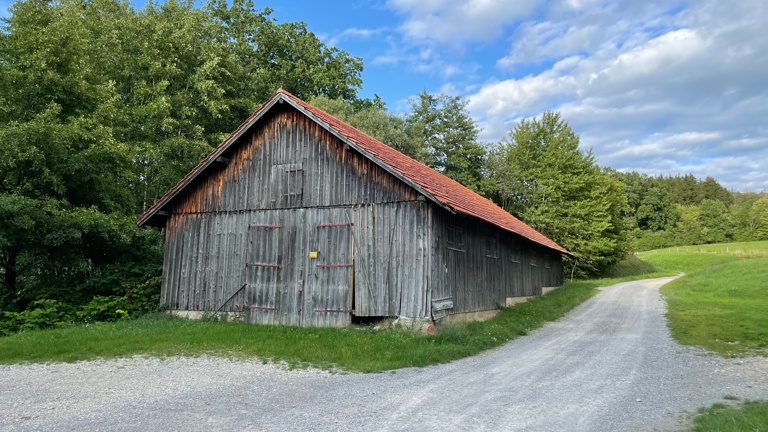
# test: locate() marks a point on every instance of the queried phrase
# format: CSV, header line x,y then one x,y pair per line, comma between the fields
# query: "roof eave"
x,y
152,211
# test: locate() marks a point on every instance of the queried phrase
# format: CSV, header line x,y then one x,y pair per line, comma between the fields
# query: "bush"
x,y
140,299
41,314
654,240
102,308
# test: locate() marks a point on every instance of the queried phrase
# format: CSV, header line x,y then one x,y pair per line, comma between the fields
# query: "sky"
x,y
672,87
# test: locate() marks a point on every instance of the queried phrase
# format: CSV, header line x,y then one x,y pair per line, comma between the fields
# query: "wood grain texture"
x,y
240,239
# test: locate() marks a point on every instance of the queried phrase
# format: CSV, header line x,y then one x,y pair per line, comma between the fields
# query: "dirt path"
x,y
609,365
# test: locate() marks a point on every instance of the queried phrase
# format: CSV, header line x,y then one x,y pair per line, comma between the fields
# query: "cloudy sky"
x,y
669,87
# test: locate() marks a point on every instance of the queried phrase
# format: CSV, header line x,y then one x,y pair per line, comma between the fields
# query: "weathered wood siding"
x,y
289,161
204,265
293,227
392,253
241,238
478,266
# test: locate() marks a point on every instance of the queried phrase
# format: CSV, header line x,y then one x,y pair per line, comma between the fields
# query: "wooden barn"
x,y
298,218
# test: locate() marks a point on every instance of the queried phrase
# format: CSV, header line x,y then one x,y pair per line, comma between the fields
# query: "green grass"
x,y
722,302
723,308
351,349
750,416
630,267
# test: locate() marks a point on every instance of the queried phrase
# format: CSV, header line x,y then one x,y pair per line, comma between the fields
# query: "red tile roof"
x,y
438,187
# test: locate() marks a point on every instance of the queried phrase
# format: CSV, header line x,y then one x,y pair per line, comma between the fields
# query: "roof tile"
x,y
444,190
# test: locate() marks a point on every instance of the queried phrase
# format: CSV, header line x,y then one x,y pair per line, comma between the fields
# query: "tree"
x,y
103,108
450,134
745,220
716,222
683,190
688,227
542,177
656,211
371,117
712,190
760,216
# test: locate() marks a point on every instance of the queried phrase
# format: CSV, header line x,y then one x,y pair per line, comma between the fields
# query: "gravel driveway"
x,y
609,365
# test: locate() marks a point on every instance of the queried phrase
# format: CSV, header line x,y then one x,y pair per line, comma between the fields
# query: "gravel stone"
x,y
609,365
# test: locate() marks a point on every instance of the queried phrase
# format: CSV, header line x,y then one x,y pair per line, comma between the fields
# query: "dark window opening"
x,y
547,264
533,258
455,238
491,247
287,183
514,251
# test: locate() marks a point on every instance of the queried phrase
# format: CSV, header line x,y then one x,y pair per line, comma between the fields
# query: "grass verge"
x,y
722,302
723,308
745,417
351,349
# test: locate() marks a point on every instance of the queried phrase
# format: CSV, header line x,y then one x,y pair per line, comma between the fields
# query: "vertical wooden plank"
x,y
167,287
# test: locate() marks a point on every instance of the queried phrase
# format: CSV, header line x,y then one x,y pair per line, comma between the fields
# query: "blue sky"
x,y
669,87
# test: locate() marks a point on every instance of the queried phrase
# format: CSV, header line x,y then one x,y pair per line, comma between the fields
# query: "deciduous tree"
x,y
543,177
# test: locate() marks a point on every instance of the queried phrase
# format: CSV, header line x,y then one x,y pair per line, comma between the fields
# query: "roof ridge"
x,y
440,188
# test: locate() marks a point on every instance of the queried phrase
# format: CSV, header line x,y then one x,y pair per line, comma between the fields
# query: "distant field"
x,y
740,249
722,302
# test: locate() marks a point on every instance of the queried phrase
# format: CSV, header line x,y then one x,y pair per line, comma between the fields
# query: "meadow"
x,y
722,302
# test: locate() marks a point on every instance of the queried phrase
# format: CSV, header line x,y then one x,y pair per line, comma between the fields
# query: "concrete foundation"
x,y
511,301
418,325
469,316
196,315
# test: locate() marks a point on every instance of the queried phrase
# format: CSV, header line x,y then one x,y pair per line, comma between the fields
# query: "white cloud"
x,y
656,90
451,21
354,33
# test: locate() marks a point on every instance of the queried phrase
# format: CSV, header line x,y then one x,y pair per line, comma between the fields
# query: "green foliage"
x,y
41,314
688,228
716,222
746,218
372,118
649,240
102,308
759,214
680,210
749,416
629,266
450,134
542,177
102,109
656,212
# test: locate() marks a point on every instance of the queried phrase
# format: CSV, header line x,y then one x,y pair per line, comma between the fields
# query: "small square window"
x,y
491,247
455,238
514,254
287,185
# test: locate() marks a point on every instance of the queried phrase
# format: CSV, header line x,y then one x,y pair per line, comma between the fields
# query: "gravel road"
x,y
609,365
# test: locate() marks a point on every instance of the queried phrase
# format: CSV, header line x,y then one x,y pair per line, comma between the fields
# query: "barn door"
x,y
273,267
327,296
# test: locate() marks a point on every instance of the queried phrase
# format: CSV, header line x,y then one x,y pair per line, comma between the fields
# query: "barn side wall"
x,y
478,266
285,172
